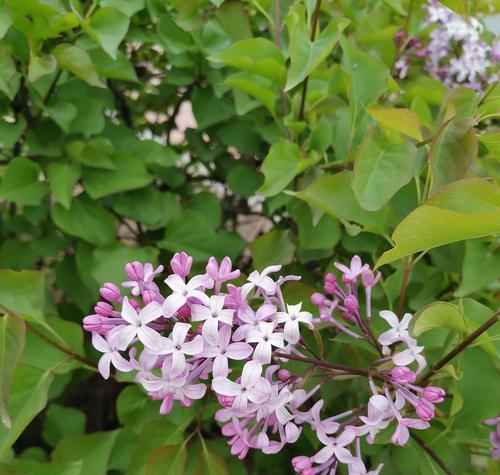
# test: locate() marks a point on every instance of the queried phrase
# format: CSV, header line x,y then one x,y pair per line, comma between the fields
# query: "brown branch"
x,y
460,347
431,453
315,21
121,105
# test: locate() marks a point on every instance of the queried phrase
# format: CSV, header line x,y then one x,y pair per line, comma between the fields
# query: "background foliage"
x,y
303,148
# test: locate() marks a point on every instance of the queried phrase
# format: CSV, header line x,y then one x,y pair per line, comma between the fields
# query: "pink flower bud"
x,y
284,375
317,299
301,462
399,37
330,278
434,394
181,264
308,471
369,279
104,309
226,401
134,304
148,296
347,279
425,410
403,375
134,271
349,317
329,287
351,303
110,292
93,323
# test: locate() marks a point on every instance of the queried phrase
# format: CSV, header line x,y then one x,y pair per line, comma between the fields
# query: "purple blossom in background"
x,y
494,436
183,339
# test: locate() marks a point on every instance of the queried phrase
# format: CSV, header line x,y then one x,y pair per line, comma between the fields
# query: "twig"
x,y
431,453
121,105
315,21
404,285
460,347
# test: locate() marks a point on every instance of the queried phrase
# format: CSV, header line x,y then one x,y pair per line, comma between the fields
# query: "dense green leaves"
x,y
77,61
463,210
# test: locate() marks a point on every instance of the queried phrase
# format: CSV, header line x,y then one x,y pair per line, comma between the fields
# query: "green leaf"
x,y
254,86
452,152
402,120
77,61
167,460
283,162
23,293
12,339
119,68
256,55
62,421
40,66
94,449
307,55
333,194
10,133
367,74
87,220
21,182
109,26
274,247
244,180
209,110
128,7
109,261
438,315
62,179
135,408
27,398
381,169
475,274
34,467
174,39
211,464
233,18
94,153
492,142
466,209
9,77
5,20
129,174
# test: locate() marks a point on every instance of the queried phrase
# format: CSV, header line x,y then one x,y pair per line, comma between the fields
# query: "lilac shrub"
x,y
206,333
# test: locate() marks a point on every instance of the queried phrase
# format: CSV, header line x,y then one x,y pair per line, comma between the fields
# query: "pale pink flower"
x,y
211,316
354,270
182,291
399,330
262,281
335,446
265,338
111,356
291,318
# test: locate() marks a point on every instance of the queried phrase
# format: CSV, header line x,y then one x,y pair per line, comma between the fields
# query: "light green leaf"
x,y
12,339
94,153
256,55
274,247
86,219
62,113
333,194
5,20
94,449
465,209
128,7
438,315
77,61
475,274
21,183
129,173
28,397
62,179
40,66
23,293
233,18
254,86
109,26
402,120
167,460
10,133
381,169
452,152
62,421
119,68
307,55
9,77
109,261
492,142
211,464
283,162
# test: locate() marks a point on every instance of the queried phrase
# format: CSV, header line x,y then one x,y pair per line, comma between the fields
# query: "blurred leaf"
x,y
274,247
381,169
9,78
402,120
128,7
40,66
27,398
167,460
492,142
10,133
333,194
62,421
256,55
21,182
62,179
12,339
211,464
307,55
244,180
475,274
438,315
5,20
452,152
109,26
254,86
86,219
234,19
465,209
77,61
94,449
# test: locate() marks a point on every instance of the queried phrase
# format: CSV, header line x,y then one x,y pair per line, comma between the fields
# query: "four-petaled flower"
x,y
399,330
246,390
335,446
181,291
411,354
262,281
265,338
137,326
211,316
355,269
111,355
291,318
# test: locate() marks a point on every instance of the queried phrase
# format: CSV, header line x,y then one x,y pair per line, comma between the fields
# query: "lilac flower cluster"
x,y
494,436
191,339
456,53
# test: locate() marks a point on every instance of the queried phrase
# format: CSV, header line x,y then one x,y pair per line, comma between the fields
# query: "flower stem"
x,y
460,347
432,454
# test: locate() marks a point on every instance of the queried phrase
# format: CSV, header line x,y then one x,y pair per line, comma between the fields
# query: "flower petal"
x,y
150,312
104,364
173,303
251,373
129,313
100,344
225,387
193,347
151,339
390,317
239,351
